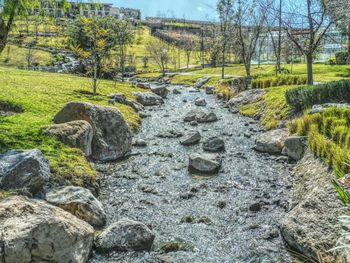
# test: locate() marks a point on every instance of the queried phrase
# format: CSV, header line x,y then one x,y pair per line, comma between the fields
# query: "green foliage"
x,y
341,58
282,80
329,136
304,97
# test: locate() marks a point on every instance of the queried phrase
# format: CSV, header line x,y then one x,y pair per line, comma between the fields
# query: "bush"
x,y
341,58
264,83
305,97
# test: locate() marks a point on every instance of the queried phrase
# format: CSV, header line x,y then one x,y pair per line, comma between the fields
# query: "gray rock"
x,y
194,123
246,97
191,138
142,85
76,134
201,82
214,144
204,163
210,90
311,227
24,169
200,116
125,235
148,98
206,117
34,231
161,91
200,102
118,97
192,115
135,105
321,108
176,91
79,202
272,141
139,143
295,147
112,135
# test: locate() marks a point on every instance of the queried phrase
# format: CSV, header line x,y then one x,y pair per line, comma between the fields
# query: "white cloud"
x,y
200,9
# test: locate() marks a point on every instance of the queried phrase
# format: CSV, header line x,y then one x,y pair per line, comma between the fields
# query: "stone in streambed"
x,y
125,235
204,163
191,138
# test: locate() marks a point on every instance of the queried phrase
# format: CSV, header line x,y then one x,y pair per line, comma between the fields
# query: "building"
x,y
85,9
333,42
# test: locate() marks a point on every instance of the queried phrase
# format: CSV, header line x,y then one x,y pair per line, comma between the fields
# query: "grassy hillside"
x,y
42,95
14,56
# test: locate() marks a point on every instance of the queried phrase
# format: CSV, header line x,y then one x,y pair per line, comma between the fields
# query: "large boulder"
x,y
161,91
204,163
246,97
79,202
312,226
200,116
272,141
24,169
125,235
201,82
191,138
148,98
295,146
34,231
206,117
214,144
112,136
76,134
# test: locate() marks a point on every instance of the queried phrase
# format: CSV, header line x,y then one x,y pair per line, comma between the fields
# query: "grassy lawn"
x,y
14,56
42,95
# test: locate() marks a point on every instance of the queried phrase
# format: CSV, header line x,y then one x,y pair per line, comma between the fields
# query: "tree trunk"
x,y
348,46
223,63
95,79
309,60
4,30
123,62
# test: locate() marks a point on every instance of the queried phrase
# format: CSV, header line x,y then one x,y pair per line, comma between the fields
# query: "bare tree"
x,y
306,24
273,20
159,51
248,20
188,45
225,11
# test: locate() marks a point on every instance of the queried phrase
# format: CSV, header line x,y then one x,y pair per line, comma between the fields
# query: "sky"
x,y
188,9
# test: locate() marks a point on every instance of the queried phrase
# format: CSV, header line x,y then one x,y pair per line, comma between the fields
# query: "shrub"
x,y
302,98
341,58
264,83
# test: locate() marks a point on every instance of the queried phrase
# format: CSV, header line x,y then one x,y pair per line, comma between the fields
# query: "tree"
x,y
11,9
225,11
123,35
307,36
248,20
273,20
91,40
339,11
188,44
159,51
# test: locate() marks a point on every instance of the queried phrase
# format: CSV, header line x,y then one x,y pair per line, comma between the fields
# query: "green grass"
x,y
42,95
329,136
17,56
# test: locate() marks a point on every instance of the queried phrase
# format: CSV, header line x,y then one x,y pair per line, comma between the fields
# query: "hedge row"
x,y
278,81
305,97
